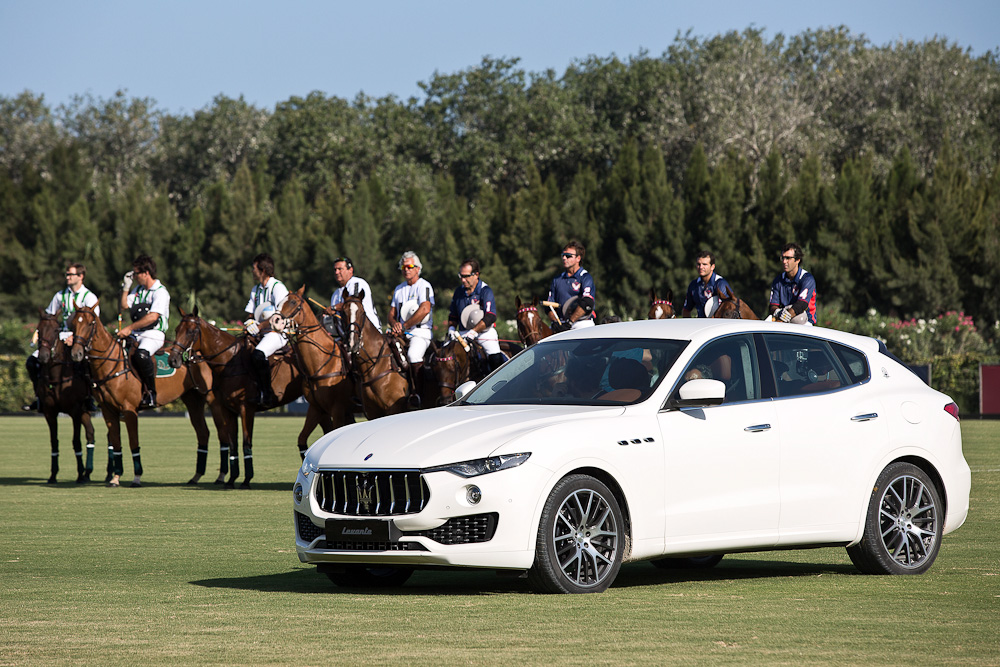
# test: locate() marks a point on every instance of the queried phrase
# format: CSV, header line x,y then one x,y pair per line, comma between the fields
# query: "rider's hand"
x,y
252,327
452,332
785,314
125,331
471,335
559,327
127,280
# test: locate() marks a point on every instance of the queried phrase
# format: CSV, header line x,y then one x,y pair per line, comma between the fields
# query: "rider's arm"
x,y
422,311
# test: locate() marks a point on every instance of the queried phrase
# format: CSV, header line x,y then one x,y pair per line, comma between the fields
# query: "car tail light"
x,y
952,409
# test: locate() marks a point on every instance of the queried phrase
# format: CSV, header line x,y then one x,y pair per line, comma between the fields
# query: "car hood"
x,y
442,435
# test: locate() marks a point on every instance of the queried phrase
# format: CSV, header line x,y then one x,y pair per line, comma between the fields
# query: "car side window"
x,y
855,363
733,361
803,365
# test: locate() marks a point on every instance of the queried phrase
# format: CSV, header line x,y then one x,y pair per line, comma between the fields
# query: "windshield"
x,y
591,371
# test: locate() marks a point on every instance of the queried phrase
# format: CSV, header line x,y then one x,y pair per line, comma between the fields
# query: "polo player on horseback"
x,y
793,292
703,287
343,275
265,298
473,313
574,290
148,304
64,303
411,313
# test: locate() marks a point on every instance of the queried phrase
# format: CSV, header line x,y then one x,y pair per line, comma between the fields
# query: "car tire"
x,y
581,538
903,526
364,576
692,563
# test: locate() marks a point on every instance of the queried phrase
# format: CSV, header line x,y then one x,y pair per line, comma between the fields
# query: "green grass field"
x,y
172,574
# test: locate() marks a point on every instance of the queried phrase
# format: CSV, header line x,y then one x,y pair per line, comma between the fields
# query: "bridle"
x,y
534,331
87,343
665,302
355,344
300,333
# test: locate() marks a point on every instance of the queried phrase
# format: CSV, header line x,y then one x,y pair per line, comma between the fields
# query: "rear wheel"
x,y
364,576
903,527
692,563
581,538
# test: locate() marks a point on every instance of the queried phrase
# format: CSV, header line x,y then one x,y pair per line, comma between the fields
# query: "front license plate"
x,y
357,530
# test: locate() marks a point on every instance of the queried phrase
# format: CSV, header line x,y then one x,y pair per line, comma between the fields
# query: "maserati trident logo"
x,y
365,488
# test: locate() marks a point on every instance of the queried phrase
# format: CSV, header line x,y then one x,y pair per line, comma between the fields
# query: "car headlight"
x,y
482,466
308,468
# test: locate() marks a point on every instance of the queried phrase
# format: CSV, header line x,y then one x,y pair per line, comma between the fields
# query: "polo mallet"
x,y
552,306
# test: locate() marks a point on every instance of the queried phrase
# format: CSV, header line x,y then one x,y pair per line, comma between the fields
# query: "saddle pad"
x,y
163,368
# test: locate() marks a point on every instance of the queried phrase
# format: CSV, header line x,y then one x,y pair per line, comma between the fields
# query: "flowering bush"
x,y
921,341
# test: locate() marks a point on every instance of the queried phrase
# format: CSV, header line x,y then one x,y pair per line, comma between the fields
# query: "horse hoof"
x,y
82,479
220,481
245,485
51,480
230,485
135,485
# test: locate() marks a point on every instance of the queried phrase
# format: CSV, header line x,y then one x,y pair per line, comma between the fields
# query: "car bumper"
x,y
450,530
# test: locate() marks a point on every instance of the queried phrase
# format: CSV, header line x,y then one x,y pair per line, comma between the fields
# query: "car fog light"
x,y
473,495
297,493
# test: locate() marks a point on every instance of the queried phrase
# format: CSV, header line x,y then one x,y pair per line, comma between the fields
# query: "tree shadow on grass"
x,y
305,579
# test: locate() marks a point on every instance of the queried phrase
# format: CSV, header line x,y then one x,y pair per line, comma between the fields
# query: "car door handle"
x,y
866,417
758,428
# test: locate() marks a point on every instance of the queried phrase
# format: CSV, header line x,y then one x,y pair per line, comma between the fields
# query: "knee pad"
x,y
33,364
259,357
141,356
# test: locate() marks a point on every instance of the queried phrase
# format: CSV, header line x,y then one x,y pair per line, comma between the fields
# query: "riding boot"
x,y
34,368
262,372
416,385
496,361
82,370
145,368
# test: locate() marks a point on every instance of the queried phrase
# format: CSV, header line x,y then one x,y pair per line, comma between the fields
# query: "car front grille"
x,y
308,531
371,492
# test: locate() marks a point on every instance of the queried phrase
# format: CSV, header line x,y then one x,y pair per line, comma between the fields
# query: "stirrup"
x,y
148,400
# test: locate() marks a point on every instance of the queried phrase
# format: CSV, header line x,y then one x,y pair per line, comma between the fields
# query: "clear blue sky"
x,y
183,53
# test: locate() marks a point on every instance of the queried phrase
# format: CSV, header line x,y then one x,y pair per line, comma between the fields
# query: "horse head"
x,y
187,337
661,309
48,334
84,324
530,325
450,365
353,319
731,306
296,312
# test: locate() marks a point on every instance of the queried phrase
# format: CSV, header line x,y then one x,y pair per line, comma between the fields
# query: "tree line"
x,y
881,161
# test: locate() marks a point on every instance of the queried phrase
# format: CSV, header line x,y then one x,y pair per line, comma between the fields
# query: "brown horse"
x,y
377,374
661,309
327,386
454,363
732,307
531,326
63,388
119,390
233,385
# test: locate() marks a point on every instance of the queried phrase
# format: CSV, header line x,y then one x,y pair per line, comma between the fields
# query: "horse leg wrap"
x,y
202,462
117,467
234,467
111,462
136,463
223,459
90,457
247,464
79,463
55,465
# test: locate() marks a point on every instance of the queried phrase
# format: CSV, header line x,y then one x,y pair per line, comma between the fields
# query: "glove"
x,y
472,334
452,333
252,327
785,314
559,327
127,281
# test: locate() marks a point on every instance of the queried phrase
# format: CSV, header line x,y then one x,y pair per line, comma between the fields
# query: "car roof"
x,y
701,329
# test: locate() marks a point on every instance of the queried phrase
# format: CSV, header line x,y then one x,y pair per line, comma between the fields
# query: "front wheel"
x,y
363,576
903,527
581,538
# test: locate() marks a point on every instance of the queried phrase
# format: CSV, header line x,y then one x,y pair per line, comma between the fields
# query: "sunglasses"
x,y
72,274
466,275
409,266
784,257
568,254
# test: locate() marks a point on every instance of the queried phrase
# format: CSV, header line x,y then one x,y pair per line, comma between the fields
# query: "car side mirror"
x,y
698,394
464,389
